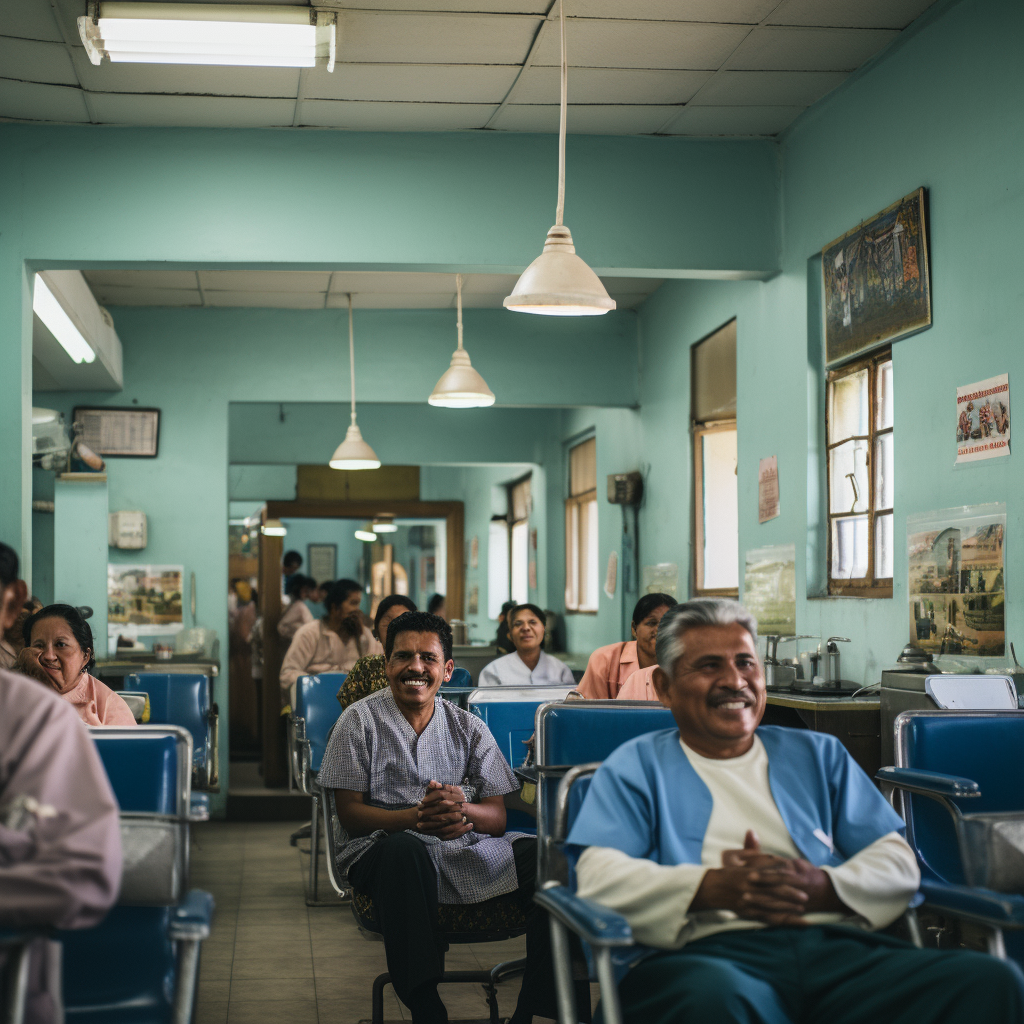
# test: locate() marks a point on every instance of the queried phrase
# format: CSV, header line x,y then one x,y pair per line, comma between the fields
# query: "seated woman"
x,y
609,667
640,685
367,674
297,614
59,652
331,644
527,665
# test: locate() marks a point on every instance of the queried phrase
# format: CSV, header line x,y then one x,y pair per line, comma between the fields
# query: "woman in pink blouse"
x,y
59,652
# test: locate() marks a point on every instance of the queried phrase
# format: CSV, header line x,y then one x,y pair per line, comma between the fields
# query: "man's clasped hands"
x,y
762,887
441,812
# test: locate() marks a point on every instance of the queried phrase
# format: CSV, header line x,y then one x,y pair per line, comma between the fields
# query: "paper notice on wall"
x,y
769,588
611,575
767,489
983,419
474,552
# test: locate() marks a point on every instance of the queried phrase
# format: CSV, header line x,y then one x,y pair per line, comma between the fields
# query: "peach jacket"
x,y
608,668
639,686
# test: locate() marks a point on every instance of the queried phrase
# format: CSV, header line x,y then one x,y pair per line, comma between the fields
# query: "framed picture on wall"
x,y
122,432
322,561
876,286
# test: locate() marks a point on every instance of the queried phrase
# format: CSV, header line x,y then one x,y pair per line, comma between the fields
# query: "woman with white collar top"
x,y
527,665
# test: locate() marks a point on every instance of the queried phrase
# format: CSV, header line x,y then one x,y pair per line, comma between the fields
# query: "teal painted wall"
x,y
940,109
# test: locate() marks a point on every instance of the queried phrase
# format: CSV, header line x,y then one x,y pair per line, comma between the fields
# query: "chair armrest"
x,y
191,918
935,784
986,906
20,937
590,921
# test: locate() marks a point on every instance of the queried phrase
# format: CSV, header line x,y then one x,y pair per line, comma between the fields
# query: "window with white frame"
x,y
497,566
581,550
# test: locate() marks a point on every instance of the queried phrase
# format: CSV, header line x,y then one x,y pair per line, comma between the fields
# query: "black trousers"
x,y
399,877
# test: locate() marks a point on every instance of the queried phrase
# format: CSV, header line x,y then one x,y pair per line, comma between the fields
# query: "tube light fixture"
x,y
274,528
384,524
558,282
366,535
353,452
460,386
245,35
46,306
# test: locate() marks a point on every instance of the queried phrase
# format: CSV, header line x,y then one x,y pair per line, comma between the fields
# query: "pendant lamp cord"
x,y
351,358
458,294
559,211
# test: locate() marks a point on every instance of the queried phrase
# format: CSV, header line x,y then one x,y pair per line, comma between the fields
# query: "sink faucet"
x,y
829,659
771,660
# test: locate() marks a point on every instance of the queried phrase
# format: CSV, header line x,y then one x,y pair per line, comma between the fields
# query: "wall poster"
x,y
144,600
767,489
769,588
956,583
322,560
983,420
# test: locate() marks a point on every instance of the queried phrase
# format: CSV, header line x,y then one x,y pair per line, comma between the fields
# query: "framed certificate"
x,y
321,561
122,432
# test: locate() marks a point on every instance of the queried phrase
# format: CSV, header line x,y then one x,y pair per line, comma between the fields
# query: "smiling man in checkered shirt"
x,y
419,787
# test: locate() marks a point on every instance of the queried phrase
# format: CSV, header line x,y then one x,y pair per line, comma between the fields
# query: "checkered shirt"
x,y
374,751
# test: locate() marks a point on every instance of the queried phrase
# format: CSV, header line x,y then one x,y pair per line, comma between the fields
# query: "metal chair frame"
x,y
15,973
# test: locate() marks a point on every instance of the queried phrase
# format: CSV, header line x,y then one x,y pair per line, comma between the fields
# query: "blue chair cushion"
x,y
577,734
143,769
510,723
178,699
316,701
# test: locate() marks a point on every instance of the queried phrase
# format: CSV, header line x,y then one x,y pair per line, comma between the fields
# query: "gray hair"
x,y
704,611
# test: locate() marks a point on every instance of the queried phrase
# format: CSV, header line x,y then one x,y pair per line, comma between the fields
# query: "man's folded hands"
x,y
441,813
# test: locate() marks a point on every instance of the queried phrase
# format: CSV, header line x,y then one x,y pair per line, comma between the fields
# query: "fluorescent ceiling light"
x,y
245,35
60,325
274,528
366,535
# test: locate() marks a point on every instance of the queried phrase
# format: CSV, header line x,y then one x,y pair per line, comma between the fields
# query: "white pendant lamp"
x,y
366,535
558,282
353,452
461,387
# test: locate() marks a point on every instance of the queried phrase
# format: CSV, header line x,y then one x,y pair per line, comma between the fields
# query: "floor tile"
x,y
211,1012
284,1012
273,965
297,990
214,990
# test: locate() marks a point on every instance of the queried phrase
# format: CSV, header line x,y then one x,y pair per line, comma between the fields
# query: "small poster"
x,y
983,420
611,576
144,600
474,600
531,574
955,580
769,588
767,489
474,552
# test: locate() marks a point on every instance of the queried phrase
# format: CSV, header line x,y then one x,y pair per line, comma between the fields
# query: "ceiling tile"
x,y
610,85
27,101
732,120
345,281
392,300
30,19
768,88
590,120
114,295
369,37
265,299
770,48
192,111
175,79
311,281
141,278
31,61
640,44
539,7
746,12
394,117
843,14
424,83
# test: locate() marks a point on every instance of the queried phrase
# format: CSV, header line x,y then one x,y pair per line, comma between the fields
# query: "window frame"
x,y
869,586
575,573
699,431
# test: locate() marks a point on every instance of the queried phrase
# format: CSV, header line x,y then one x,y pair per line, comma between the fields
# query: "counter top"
x,y
823,702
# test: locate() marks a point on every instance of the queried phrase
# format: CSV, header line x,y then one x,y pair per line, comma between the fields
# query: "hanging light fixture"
x,y
460,386
366,535
558,282
384,524
353,452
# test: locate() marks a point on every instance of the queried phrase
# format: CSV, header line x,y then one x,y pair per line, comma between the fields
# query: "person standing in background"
x,y
300,588
436,606
290,565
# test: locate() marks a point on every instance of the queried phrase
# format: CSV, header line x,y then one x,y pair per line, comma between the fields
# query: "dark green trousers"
x,y
820,975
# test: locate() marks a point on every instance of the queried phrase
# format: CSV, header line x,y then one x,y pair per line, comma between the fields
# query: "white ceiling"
x,y
315,289
666,67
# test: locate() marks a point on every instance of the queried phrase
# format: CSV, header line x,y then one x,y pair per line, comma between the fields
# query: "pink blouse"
x,y
639,686
97,704
608,668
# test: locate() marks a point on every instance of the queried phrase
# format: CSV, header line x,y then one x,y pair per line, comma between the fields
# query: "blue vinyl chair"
x,y
315,712
141,964
183,698
957,773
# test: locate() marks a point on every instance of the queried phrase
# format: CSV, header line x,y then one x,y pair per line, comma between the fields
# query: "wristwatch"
x,y
465,820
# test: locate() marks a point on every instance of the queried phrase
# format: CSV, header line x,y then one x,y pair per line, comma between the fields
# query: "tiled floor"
x,y
271,959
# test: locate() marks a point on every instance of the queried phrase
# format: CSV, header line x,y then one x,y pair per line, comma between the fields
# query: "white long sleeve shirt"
x,y
876,883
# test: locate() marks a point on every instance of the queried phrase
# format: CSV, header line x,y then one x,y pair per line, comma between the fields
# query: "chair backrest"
x,y
136,702
178,698
316,701
979,745
509,712
461,678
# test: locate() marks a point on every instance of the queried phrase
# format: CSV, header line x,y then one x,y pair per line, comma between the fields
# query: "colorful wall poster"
x,y
983,419
956,580
769,588
144,600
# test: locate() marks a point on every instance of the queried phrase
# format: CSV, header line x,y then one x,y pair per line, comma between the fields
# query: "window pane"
x,y
589,556
850,548
720,512
883,547
848,406
848,468
520,562
883,397
497,567
572,561
583,467
884,487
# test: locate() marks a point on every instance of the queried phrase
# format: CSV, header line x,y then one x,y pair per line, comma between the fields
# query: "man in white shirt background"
x,y
756,865
528,664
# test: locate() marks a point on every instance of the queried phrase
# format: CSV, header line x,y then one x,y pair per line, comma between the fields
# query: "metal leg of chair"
x,y
995,944
914,928
492,1002
508,969
612,1011
17,983
314,852
185,987
562,958
377,1012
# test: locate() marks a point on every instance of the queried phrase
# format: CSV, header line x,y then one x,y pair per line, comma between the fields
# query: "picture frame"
x,y
322,561
120,432
876,281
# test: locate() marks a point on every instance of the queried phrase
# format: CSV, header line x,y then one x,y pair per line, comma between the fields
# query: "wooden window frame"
x,y
700,430
869,586
579,502
513,522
